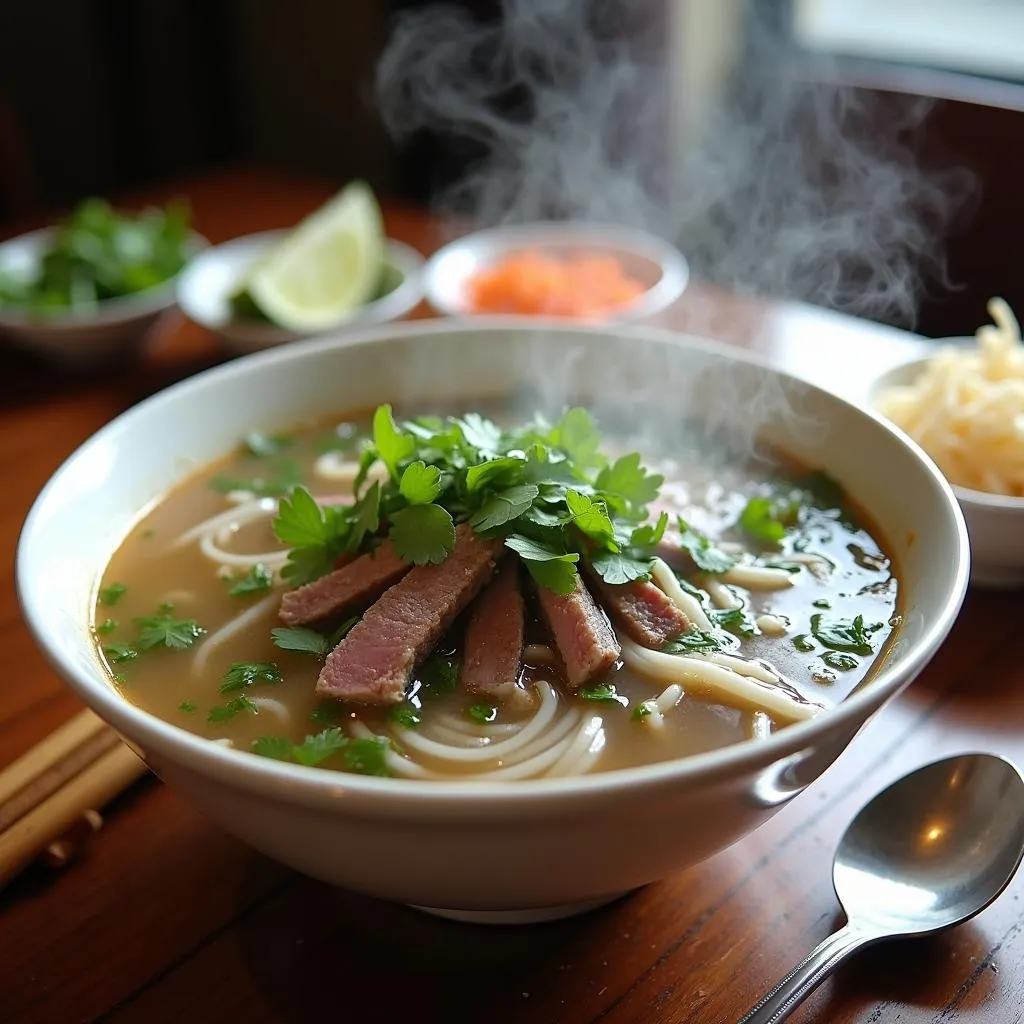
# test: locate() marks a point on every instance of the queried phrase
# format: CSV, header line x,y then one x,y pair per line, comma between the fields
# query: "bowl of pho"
x,y
410,609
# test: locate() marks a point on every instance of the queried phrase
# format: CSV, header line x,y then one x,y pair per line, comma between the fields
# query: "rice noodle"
x,y
669,698
721,683
720,594
392,758
757,577
273,707
335,467
665,579
239,515
771,625
754,669
274,560
966,408
586,744
760,726
453,723
209,645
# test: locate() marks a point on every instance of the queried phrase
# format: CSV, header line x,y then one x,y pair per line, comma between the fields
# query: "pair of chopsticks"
x,y
51,796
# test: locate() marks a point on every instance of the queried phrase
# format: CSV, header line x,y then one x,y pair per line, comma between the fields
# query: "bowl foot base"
x,y
533,915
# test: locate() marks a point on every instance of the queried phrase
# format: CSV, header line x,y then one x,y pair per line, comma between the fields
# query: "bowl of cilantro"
x,y
86,289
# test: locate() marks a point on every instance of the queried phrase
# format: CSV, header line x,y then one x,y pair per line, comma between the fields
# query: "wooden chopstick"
x,y
49,797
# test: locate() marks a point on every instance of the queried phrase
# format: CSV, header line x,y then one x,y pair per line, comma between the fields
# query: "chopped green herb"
x,y
735,620
315,749
243,674
298,638
120,679
839,660
759,520
188,706
106,626
482,713
422,534
328,712
118,653
263,445
235,706
439,673
802,642
405,715
163,630
276,747
257,580
705,555
850,635
112,593
642,711
693,641
602,693
367,756
822,602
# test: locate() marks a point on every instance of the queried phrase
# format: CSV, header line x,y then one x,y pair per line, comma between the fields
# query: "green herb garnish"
x,y
839,660
235,706
281,478
602,693
315,749
364,756
693,641
328,712
642,711
106,626
734,620
257,580
298,638
439,673
118,653
482,713
705,555
851,635
243,674
276,747
405,715
112,593
802,642
263,445
188,706
163,630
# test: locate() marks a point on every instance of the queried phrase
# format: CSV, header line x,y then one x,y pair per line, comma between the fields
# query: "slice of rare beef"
x,y
345,590
641,610
493,643
582,633
374,662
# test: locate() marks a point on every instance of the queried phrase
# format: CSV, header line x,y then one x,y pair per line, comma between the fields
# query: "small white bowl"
x,y
79,338
995,522
529,850
207,284
646,257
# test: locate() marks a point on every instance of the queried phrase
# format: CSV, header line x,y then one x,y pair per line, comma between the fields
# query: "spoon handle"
x,y
807,975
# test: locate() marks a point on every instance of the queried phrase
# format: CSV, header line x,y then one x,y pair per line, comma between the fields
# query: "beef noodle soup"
x,y
446,598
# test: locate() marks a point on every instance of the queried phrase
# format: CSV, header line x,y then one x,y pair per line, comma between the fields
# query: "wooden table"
x,y
166,918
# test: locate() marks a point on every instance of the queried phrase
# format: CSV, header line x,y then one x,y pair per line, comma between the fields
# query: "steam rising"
x,y
788,187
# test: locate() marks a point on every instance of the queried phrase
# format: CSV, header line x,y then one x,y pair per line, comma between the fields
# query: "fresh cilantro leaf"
x,y
705,555
439,674
118,653
735,620
263,445
420,483
245,673
314,749
482,713
367,756
503,507
276,747
850,635
649,535
545,518
164,630
591,518
405,715
298,638
283,477
364,517
618,567
225,712
693,641
302,523
422,534
307,564
758,520
106,626
629,481
838,660
392,446
822,602
188,706
577,435
549,566
480,432
602,693
642,711
802,642
504,472
111,594
258,579
328,712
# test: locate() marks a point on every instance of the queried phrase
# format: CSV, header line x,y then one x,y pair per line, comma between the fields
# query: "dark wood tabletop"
x,y
166,918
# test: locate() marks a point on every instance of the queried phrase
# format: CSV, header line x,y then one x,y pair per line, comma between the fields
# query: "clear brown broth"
x,y
164,683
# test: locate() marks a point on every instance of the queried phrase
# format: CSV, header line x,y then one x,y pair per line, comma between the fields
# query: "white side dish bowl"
x,y
518,851
645,257
82,337
207,284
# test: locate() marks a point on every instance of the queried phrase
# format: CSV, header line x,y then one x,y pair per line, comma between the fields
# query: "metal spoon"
x,y
929,852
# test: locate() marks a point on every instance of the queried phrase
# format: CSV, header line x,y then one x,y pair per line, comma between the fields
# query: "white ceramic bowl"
x,y
79,338
486,851
207,284
650,259
995,522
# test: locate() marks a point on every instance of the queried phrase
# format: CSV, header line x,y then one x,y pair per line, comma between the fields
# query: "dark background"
x,y
109,96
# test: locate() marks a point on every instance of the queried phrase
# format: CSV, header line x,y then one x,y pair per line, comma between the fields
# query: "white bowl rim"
x,y
110,311
319,787
675,268
405,258
915,366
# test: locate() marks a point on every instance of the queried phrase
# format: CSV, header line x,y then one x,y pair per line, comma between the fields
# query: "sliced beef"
x,y
493,644
642,611
372,665
347,589
581,632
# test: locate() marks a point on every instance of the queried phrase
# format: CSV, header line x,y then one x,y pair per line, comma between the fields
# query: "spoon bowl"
x,y
930,852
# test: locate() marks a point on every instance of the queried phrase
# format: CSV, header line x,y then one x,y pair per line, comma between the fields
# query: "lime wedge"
x,y
329,266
